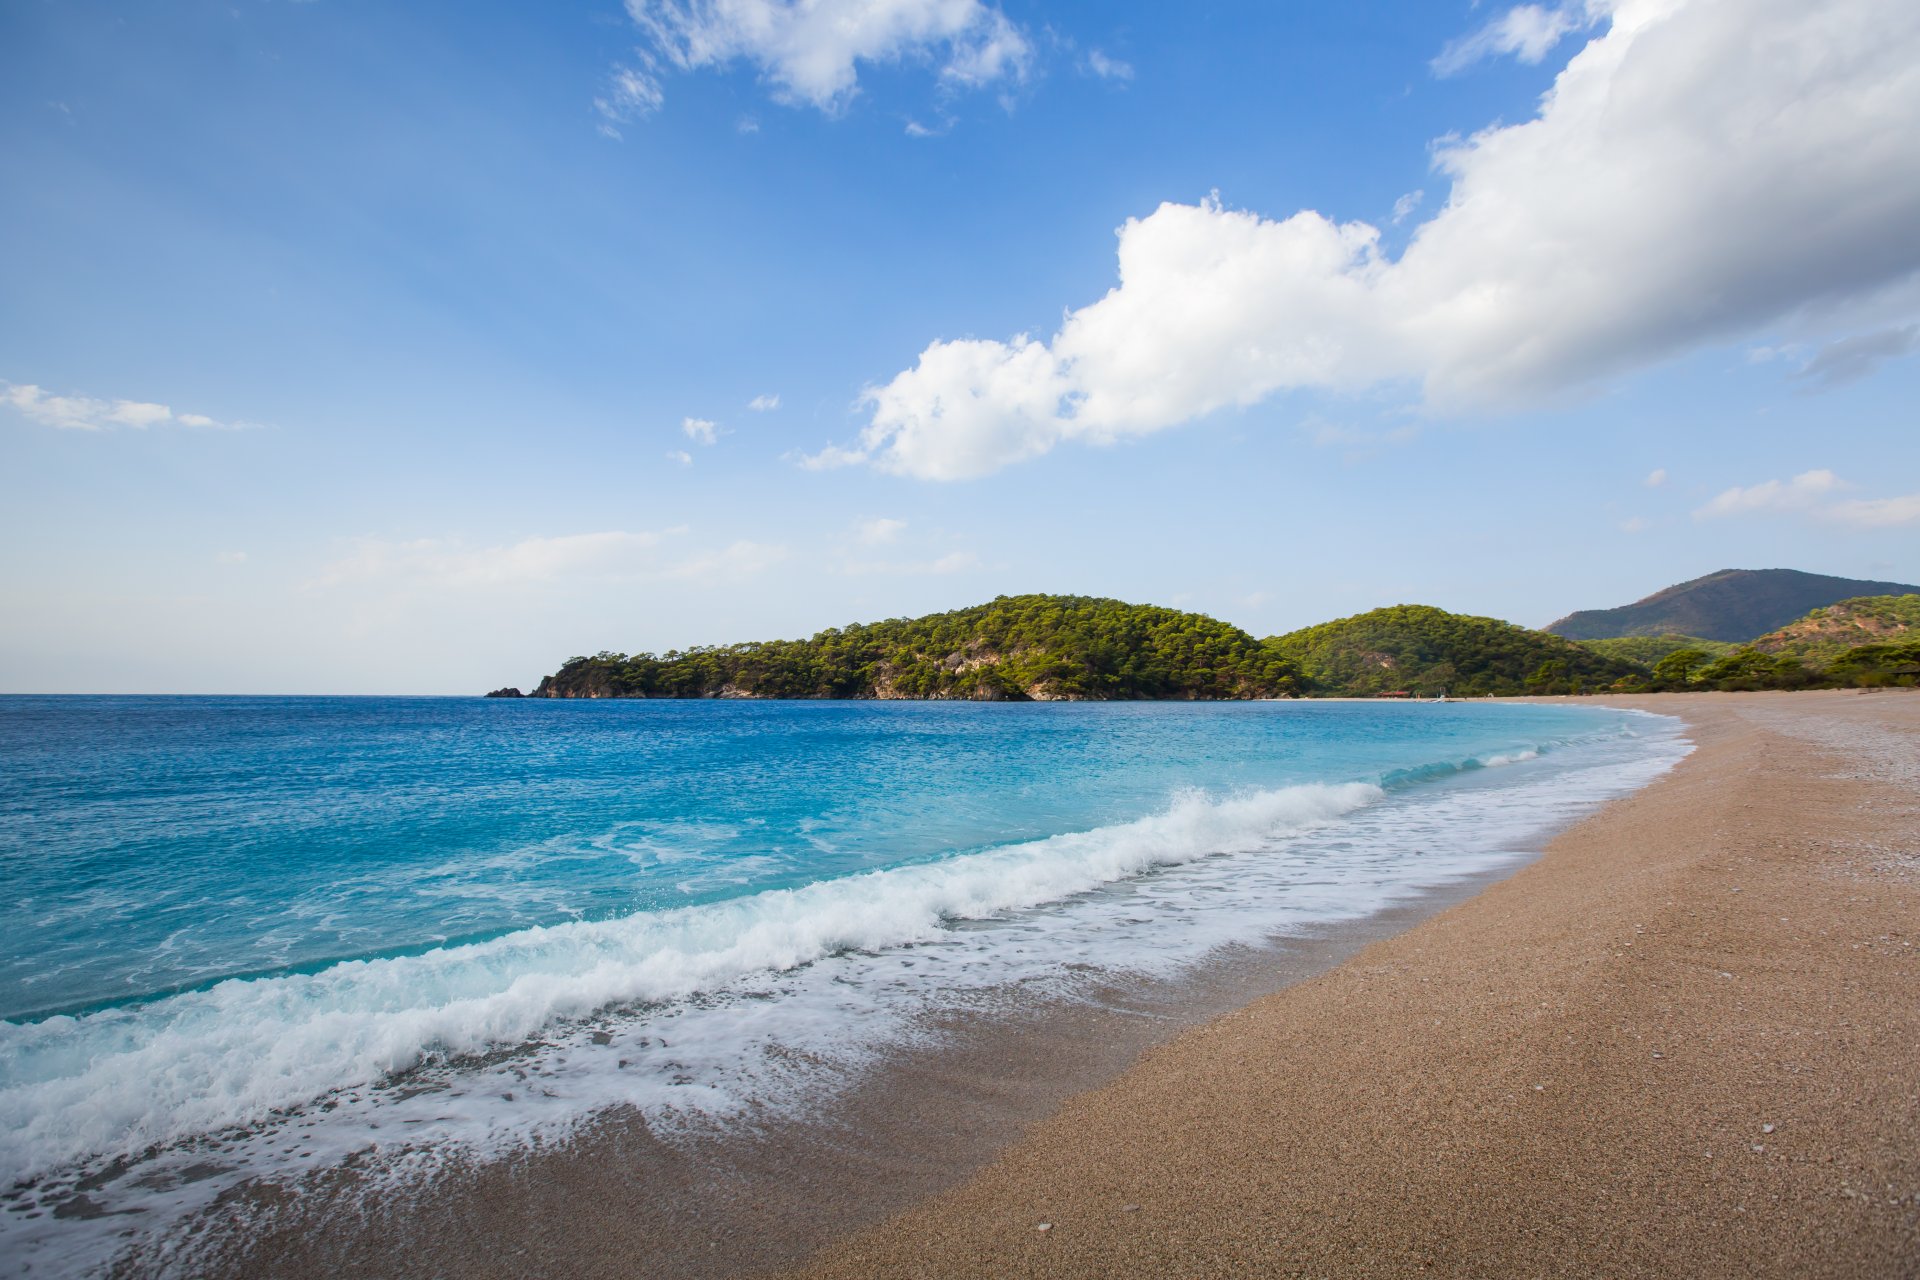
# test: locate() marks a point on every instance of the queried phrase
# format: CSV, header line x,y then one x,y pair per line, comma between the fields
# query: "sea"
x,y
246,940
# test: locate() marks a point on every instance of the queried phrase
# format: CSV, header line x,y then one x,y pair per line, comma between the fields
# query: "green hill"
x,y
1732,605
1016,647
1825,634
1425,650
1645,651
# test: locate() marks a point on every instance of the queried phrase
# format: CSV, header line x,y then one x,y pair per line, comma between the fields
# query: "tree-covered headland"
x,y
1067,648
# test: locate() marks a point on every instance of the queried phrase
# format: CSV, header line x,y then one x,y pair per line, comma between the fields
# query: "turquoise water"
x,y
216,912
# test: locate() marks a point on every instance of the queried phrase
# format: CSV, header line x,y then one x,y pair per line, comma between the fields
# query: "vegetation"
x,y
1732,605
1824,635
1017,647
1645,651
1424,651
1078,647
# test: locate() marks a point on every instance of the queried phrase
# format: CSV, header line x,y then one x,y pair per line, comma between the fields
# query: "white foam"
x,y
121,1080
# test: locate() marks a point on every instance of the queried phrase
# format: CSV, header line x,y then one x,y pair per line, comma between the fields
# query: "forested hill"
x,y
1426,651
1733,604
1016,647
1825,634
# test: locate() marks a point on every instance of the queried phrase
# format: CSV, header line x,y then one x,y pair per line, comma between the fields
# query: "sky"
x,y
370,348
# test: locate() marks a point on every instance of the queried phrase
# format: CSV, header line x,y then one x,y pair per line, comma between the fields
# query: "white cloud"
x,y
610,555
632,93
1528,32
1108,68
809,51
1701,169
1804,492
1656,477
680,456
1404,207
1634,524
764,404
85,413
878,532
700,431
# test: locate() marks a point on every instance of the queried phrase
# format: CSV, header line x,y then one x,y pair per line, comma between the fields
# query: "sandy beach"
x,y
1686,1041
1681,1042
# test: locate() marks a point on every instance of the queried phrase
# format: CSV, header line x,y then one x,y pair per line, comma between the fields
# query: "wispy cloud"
x,y
810,53
86,413
1851,359
764,404
612,555
1656,478
1805,491
1108,68
1815,494
1877,513
952,562
878,532
700,430
1528,32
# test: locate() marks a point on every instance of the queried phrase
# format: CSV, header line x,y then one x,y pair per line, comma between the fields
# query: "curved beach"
x,y
1683,1042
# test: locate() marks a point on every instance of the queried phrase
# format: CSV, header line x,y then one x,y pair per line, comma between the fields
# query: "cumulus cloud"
x,y
1528,32
85,413
680,456
1814,494
1699,170
809,51
610,555
764,404
700,430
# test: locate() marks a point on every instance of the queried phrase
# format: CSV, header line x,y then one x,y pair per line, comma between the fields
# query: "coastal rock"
x,y
511,691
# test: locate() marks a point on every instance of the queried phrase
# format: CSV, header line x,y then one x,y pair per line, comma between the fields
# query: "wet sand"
x,y
1684,1042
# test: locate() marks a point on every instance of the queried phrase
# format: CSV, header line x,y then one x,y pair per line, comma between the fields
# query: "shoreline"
x,y
1069,1113
765,1190
1681,1042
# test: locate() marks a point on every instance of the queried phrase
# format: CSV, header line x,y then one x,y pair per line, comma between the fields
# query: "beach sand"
x,y
1571,1071
1685,1042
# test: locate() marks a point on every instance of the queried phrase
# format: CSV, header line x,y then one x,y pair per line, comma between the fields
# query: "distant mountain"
x,y
1423,650
1734,604
1014,648
1825,634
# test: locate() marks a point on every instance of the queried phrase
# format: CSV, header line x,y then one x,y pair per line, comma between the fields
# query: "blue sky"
x,y
363,348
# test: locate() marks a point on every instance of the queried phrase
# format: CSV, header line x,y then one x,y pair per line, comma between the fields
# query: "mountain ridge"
x,y
1736,605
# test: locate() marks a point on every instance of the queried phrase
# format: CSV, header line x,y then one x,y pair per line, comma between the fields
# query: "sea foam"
x,y
118,1081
